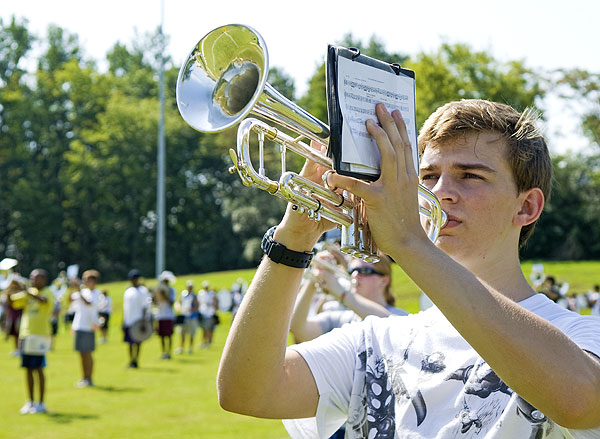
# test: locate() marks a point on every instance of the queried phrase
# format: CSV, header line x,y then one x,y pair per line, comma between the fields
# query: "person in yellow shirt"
x,y
34,334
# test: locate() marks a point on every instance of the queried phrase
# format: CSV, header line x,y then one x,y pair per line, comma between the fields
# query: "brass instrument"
x,y
336,269
224,80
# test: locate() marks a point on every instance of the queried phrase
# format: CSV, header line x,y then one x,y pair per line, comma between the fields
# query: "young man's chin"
x,y
452,246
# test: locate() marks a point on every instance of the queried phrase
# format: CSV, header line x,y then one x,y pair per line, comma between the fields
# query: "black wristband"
x,y
280,254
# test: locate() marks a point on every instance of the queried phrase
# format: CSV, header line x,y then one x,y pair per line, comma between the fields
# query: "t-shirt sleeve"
x,y
331,358
584,332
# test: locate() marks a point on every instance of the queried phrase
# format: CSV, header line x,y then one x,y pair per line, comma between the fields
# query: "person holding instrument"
x,y
35,336
164,298
488,360
369,294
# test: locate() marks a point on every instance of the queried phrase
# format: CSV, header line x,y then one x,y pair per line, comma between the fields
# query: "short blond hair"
x,y
527,152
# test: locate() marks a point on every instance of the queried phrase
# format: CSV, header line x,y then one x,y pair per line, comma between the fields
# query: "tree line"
x,y
78,155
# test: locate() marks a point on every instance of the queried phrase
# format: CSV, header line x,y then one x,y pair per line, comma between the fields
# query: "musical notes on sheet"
x,y
360,88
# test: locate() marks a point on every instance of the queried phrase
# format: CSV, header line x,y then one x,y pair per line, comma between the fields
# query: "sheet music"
x,y
360,88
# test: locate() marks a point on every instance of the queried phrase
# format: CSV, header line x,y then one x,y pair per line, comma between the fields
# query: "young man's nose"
x,y
445,189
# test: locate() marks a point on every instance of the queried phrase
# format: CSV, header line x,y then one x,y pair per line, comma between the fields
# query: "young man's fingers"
x,y
386,150
400,126
389,124
406,146
357,187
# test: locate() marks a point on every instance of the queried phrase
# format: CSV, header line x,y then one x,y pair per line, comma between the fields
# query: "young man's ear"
x,y
532,202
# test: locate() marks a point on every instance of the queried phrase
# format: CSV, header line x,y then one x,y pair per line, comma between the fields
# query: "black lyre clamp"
x,y
397,68
355,52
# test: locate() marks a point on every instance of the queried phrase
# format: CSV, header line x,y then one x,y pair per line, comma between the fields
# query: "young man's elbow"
x,y
236,402
227,400
232,396
584,413
227,394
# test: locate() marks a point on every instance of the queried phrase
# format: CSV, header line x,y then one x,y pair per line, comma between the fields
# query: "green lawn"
x,y
164,399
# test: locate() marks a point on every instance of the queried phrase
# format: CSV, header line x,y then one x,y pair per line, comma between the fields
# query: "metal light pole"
x,y
160,186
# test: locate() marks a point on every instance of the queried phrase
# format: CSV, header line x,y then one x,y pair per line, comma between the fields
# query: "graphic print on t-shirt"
x,y
376,418
383,387
483,381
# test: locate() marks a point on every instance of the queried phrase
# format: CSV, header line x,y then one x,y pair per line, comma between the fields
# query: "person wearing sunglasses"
x,y
367,293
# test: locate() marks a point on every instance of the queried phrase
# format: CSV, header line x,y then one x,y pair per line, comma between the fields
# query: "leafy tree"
x,y
584,88
38,215
567,229
456,72
315,99
78,156
15,132
282,82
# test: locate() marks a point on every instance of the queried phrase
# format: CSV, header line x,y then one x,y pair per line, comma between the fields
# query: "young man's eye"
x,y
470,175
428,177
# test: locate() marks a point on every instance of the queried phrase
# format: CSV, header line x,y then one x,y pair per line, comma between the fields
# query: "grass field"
x,y
164,398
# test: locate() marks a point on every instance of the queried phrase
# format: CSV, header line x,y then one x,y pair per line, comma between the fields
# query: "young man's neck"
x,y
505,275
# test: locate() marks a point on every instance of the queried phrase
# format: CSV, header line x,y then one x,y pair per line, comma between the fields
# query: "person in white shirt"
x,y
164,298
593,298
491,359
85,323
58,288
104,312
136,306
208,305
188,306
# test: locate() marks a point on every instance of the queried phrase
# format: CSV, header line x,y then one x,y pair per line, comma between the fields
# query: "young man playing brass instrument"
x,y
492,359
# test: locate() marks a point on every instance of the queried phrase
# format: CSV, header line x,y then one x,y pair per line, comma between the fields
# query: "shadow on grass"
x,y
66,418
156,369
190,360
117,389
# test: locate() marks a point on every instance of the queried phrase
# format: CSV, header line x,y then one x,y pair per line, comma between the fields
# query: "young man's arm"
x,y
528,353
257,375
301,327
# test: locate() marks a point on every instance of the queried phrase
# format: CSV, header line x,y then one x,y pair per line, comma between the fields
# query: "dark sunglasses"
x,y
364,271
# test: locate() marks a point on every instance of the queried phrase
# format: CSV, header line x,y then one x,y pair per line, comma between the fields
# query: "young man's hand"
x,y
392,200
297,231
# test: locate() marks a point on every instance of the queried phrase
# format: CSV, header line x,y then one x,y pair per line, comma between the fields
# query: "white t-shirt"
x,y
593,295
416,377
165,308
206,301
188,299
86,315
105,304
135,301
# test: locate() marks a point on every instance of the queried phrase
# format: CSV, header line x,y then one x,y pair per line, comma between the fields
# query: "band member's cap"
x,y
134,273
167,276
91,274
